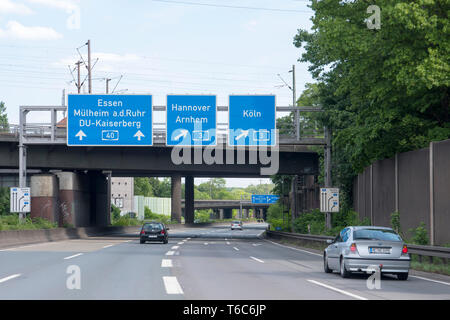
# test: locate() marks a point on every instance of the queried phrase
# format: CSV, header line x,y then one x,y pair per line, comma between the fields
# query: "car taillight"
x,y
353,247
142,232
405,249
163,232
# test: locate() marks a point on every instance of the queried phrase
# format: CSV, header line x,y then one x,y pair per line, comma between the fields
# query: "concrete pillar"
x,y
74,199
189,199
176,198
228,213
44,197
100,213
221,214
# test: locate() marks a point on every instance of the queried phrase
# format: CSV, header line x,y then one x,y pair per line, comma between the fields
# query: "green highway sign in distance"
x,y
109,120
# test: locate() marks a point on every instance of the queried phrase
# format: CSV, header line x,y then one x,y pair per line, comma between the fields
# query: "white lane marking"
x,y
206,243
172,285
10,277
74,256
175,247
338,290
257,244
228,242
166,263
170,253
426,279
180,242
256,259
108,246
235,248
305,251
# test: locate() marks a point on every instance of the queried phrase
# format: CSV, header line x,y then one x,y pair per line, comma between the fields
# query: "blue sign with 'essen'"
x,y
109,120
268,198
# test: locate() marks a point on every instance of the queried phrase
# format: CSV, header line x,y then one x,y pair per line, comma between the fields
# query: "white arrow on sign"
x,y
139,135
244,133
183,133
80,135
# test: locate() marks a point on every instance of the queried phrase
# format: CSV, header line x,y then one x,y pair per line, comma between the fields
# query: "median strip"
x,y
172,285
338,290
10,277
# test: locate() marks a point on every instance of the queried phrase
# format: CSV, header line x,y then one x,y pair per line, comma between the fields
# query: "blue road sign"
x,y
109,120
252,120
191,120
265,198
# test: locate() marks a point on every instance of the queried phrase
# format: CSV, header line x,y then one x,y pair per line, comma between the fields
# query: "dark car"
x,y
154,231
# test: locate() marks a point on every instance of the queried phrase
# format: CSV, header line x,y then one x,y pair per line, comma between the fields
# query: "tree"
x,y
3,116
383,91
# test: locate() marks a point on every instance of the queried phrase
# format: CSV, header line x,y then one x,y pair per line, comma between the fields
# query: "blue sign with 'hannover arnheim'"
x,y
109,120
191,120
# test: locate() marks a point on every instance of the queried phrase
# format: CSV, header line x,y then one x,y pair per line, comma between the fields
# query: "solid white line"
x,y
175,247
10,277
338,290
74,256
426,279
172,285
170,253
166,263
108,246
305,251
256,259
235,248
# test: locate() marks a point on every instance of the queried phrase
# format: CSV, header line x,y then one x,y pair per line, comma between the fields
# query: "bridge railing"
x,y
55,132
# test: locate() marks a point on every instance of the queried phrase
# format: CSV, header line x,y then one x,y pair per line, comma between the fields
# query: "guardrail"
x,y
419,250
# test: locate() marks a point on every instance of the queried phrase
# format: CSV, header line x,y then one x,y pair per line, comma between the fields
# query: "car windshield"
x,y
236,222
376,234
152,226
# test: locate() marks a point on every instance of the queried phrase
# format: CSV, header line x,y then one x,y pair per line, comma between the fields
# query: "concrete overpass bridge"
x,y
74,186
223,208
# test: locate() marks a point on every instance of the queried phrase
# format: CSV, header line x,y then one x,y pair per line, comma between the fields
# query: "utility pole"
x,y
107,85
294,104
79,76
89,66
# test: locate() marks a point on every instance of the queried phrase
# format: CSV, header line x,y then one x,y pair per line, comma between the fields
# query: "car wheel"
x,y
325,264
344,272
142,241
402,276
166,241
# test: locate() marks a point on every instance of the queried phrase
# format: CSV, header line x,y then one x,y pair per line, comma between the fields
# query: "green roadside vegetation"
x,y
11,222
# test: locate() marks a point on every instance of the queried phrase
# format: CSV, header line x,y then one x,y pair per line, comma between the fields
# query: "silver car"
x,y
365,249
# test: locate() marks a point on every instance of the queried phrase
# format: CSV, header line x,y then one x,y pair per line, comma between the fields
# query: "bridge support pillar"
x,y
228,213
100,212
176,198
221,214
44,197
189,200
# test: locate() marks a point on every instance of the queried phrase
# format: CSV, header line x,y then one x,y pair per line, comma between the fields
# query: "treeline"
x,y
214,189
384,90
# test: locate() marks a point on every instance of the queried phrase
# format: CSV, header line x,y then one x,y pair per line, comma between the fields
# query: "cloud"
x,y
16,30
66,5
7,6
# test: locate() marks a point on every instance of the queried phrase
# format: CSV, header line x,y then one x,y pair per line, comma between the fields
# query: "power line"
x,y
232,7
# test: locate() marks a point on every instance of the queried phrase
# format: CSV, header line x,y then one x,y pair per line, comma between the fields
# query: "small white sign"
x,y
329,200
20,200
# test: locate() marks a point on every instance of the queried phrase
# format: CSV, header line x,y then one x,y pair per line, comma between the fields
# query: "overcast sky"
x,y
158,47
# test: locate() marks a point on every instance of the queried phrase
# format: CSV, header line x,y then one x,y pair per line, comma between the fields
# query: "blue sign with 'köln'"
x,y
191,120
109,120
252,120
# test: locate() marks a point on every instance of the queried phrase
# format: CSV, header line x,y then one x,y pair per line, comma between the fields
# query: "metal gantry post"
x,y
327,167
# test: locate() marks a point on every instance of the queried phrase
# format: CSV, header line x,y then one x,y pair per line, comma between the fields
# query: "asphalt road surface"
x,y
197,263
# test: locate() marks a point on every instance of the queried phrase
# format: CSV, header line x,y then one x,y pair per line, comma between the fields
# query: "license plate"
x,y
152,236
380,250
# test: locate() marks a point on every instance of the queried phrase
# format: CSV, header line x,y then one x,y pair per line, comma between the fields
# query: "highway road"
x,y
197,263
